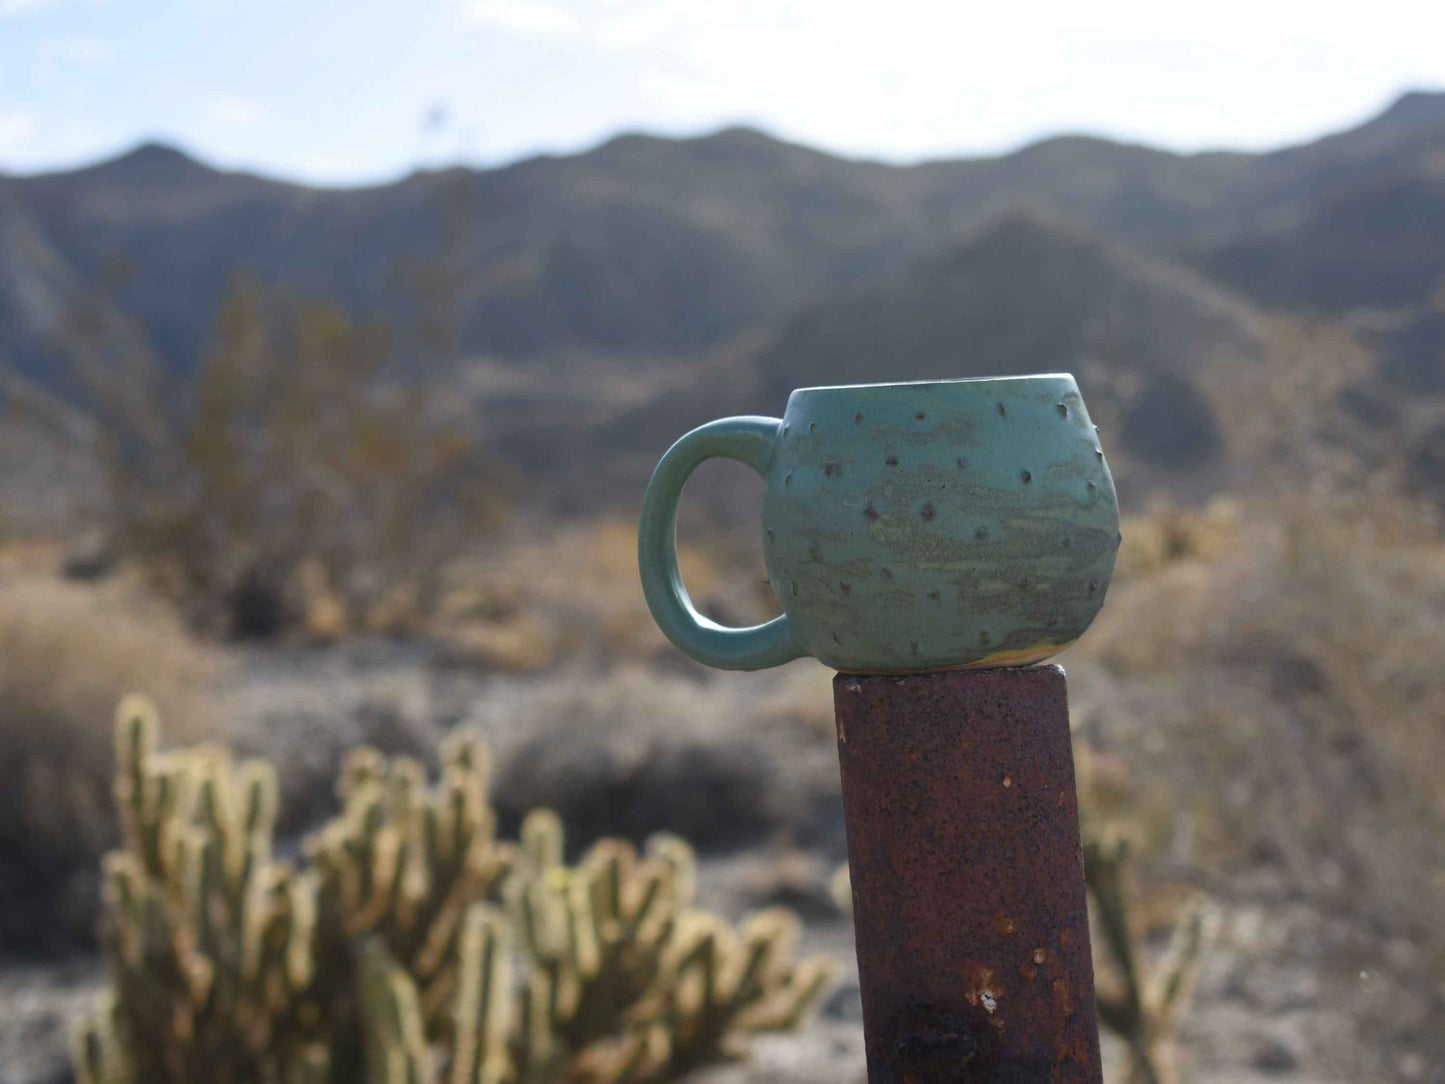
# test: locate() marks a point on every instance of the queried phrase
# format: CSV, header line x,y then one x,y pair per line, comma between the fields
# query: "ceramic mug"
x,y
906,527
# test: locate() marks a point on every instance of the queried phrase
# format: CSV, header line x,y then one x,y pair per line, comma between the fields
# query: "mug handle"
x,y
749,440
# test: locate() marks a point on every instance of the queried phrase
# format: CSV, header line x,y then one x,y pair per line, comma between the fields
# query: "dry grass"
x,y
1172,533
573,593
1286,690
67,655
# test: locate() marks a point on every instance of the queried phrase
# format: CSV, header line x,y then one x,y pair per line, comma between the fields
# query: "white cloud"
x,y
520,16
16,125
911,78
234,111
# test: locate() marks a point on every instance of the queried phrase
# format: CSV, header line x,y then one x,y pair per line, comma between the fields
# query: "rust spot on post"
x,y
973,946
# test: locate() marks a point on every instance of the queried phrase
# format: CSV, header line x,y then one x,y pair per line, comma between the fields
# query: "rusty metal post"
x,y
968,877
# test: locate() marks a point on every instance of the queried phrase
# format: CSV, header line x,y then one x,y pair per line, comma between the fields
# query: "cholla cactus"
x,y
211,940
390,957
396,1047
401,864
483,1007
626,971
1142,1005
1147,1005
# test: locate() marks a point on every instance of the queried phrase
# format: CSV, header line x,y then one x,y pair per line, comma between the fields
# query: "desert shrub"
x,y
67,654
1300,667
288,478
1142,996
1170,533
1288,694
1141,1004
728,760
573,592
411,945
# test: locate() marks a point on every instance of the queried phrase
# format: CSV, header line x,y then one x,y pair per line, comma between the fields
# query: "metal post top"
x,y
971,676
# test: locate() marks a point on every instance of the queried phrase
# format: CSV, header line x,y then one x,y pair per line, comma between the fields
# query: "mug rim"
x,y
916,384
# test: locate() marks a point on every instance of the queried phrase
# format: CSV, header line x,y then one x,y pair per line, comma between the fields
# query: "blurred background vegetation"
x,y
323,469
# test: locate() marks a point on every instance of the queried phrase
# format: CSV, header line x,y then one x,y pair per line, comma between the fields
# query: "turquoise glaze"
x,y
907,527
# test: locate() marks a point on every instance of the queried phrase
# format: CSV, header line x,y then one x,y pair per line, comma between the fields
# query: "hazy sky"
x,y
349,91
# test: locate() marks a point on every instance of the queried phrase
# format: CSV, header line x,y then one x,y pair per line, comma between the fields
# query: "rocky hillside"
x,y
657,244
1024,296
613,297
1196,389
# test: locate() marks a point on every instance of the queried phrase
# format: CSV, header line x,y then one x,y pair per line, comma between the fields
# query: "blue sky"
x,y
366,90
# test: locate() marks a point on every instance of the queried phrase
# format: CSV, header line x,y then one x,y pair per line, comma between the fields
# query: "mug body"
x,y
939,524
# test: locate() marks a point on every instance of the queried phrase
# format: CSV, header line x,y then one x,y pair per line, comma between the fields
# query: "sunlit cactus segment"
x,y
543,839
391,1025
483,1002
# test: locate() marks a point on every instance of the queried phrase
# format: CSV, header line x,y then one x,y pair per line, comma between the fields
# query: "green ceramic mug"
x,y
907,527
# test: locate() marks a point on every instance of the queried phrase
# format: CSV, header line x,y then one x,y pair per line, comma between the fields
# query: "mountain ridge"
x,y
675,258
1409,110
